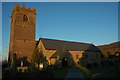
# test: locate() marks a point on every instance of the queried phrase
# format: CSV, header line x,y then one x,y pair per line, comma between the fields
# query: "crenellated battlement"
x,y
18,7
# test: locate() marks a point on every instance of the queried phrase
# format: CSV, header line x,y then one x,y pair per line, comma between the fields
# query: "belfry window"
x,y
25,18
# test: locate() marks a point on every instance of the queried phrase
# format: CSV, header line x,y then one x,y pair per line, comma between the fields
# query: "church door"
x,y
64,62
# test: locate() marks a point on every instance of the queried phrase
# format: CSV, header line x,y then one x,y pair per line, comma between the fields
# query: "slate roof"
x,y
53,44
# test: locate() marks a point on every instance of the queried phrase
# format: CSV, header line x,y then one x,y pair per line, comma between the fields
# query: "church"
x,y
56,52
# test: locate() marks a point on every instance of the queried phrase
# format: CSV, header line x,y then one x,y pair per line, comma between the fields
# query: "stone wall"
x,y
76,54
24,48
47,53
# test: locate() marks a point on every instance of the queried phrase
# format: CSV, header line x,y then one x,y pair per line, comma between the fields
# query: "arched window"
x,y
25,18
77,56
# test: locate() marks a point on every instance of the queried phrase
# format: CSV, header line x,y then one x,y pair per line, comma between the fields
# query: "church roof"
x,y
52,44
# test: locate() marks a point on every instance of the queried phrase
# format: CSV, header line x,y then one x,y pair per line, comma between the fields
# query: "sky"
x,y
88,22
59,0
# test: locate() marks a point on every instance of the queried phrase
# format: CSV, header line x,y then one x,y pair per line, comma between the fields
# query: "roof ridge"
x,y
66,41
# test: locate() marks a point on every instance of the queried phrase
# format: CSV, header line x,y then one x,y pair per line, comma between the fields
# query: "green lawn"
x,y
109,71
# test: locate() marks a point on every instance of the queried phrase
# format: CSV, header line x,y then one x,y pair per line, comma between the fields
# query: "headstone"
x,y
21,63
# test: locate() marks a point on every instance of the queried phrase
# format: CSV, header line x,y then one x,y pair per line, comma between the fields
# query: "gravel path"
x,y
74,73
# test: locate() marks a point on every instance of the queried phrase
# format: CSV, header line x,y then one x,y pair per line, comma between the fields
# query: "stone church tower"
x,y
22,33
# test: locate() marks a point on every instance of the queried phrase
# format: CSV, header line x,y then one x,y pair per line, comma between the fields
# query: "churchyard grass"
x,y
106,71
